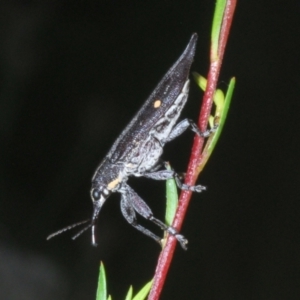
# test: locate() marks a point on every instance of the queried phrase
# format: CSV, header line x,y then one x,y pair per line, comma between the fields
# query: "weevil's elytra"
x,y
138,149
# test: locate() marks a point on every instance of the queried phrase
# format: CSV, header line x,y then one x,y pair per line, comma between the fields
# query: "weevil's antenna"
x,y
81,232
69,228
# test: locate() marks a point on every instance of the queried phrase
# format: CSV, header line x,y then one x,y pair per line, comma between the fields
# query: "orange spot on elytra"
x,y
157,103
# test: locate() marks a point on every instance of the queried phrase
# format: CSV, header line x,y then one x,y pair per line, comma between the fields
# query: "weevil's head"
x,y
98,194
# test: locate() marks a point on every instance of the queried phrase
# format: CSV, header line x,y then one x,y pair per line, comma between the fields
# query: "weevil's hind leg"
x,y
194,188
130,216
184,125
138,204
168,174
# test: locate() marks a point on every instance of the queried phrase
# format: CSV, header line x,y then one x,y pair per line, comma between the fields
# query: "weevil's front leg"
x,y
130,216
169,174
139,205
184,125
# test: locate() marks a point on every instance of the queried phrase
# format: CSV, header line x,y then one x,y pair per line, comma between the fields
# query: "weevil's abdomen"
x,y
162,100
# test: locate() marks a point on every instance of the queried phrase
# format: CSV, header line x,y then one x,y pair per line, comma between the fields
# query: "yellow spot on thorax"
x,y
113,183
157,103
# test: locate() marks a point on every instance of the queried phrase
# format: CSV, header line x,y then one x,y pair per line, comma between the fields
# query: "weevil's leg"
x,y
160,164
181,175
184,125
129,214
168,174
144,210
171,230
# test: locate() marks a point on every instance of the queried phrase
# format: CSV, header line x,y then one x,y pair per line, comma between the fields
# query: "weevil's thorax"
x,y
144,157
109,176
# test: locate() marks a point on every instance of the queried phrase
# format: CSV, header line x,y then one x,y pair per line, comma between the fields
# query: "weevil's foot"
x,y
179,237
198,188
208,132
182,241
193,188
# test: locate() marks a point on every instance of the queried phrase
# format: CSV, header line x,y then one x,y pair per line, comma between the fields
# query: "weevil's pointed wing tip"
x,y
193,41
191,46
190,49
194,37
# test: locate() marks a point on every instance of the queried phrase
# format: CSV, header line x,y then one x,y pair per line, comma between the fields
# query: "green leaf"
x,y
129,294
222,107
109,297
200,80
101,290
172,199
216,27
142,294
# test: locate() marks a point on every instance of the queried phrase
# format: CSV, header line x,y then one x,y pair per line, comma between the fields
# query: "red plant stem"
x,y
193,172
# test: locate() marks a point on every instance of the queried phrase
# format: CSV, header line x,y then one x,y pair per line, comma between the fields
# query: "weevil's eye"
x,y
96,195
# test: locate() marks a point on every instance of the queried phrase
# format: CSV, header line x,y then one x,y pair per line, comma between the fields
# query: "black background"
x,y
73,73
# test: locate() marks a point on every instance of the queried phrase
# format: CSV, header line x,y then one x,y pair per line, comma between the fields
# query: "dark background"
x,y
73,73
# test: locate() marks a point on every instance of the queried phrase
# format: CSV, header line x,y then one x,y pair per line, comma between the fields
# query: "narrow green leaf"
x,y
221,111
219,99
101,290
222,105
200,80
109,297
216,27
172,199
129,294
142,294
229,95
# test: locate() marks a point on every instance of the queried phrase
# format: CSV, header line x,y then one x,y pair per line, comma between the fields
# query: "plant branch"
x,y
216,57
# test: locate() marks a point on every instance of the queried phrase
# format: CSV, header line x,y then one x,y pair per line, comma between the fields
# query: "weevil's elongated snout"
x,y
97,204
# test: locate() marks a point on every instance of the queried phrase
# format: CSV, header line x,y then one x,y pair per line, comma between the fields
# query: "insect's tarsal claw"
x,y
182,240
179,237
200,188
